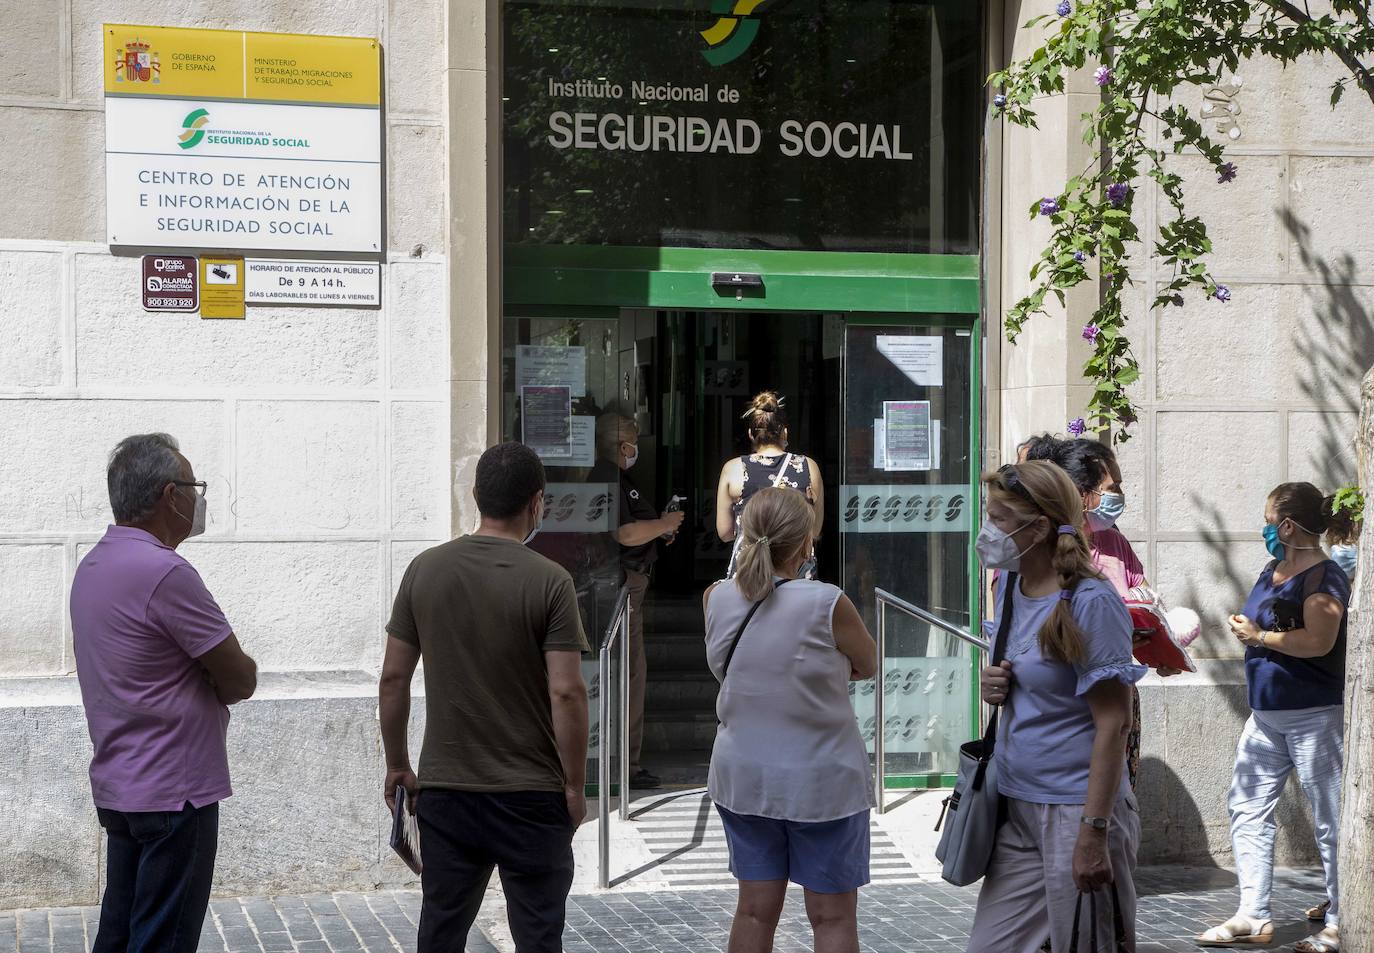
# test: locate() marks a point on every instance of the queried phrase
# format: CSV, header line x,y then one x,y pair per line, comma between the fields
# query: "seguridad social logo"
x,y
193,128
733,32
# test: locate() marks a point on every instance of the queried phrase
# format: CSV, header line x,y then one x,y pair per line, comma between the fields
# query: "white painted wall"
x,y
324,435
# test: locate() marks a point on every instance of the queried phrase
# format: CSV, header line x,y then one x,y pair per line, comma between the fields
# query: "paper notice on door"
x,y
920,357
546,420
879,435
552,367
906,435
583,446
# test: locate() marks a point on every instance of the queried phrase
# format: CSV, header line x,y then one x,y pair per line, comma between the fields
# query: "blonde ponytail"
x,y
775,524
1049,492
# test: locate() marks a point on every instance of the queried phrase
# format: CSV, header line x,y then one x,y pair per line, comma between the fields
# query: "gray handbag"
x,y
971,815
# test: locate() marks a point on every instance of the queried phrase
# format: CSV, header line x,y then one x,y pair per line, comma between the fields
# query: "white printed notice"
x,y
583,446
906,435
879,445
546,420
355,284
920,357
552,367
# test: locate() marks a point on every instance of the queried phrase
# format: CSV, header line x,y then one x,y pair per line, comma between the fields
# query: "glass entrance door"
x,y
887,407
908,507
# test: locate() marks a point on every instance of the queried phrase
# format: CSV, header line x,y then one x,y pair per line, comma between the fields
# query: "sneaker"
x,y
642,780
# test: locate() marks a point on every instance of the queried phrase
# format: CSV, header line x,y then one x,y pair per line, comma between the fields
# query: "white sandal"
x,y
1240,931
1327,941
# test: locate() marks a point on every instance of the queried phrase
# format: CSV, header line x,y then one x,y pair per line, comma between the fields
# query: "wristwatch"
x,y
1096,823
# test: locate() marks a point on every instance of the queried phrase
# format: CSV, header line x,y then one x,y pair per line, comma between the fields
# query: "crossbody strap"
x,y
776,478
999,651
734,643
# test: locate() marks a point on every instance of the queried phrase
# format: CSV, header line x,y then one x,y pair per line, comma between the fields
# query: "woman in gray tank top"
x,y
789,771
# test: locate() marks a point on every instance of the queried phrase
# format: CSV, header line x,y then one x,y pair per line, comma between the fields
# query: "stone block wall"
x,y
324,435
1234,398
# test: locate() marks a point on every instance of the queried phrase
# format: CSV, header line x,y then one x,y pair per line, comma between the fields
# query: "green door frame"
x,y
869,288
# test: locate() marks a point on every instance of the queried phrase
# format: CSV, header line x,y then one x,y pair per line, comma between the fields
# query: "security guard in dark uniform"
x,y
641,526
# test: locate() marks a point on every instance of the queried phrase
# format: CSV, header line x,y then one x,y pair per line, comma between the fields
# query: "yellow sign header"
x,y
234,64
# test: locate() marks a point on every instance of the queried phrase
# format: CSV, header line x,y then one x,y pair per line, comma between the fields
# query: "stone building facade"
x,y
338,443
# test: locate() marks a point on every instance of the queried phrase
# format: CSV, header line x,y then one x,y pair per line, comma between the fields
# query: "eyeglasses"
x,y
1012,481
200,485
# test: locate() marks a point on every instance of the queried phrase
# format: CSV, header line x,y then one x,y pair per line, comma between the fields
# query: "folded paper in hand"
x,y
405,831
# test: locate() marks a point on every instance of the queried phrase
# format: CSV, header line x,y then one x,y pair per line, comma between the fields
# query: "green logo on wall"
x,y
193,127
731,35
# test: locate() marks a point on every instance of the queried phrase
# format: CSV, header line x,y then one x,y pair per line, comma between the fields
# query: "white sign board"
x,y
551,367
263,176
583,446
356,284
920,357
238,141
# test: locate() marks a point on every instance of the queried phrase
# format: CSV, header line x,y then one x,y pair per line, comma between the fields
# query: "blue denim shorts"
x,y
822,856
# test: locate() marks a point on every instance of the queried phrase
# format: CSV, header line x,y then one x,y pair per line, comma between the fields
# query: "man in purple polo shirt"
x,y
158,665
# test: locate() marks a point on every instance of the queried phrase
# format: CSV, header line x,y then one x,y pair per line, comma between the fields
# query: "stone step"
x,y
679,731
676,652
690,693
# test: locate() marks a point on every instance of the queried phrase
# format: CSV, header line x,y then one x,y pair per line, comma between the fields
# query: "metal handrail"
x,y
884,599
930,618
618,628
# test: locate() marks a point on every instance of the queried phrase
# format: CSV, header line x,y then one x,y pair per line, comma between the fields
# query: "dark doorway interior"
x,y
707,368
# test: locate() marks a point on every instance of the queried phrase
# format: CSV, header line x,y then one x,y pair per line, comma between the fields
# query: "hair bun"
x,y
766,402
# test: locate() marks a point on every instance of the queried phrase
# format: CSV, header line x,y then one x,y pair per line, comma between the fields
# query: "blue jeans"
x,y
158,870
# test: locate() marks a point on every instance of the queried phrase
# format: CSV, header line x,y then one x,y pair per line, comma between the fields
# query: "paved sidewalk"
x,y
1176,903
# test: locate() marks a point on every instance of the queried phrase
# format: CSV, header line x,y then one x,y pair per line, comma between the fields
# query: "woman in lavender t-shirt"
x,y
1072,825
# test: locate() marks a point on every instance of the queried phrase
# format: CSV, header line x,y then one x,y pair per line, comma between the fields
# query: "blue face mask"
x,y
1271,541
1344,555
1108,511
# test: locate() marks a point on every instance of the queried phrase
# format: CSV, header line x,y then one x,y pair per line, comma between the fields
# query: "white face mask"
x,y
538,523
632,457
197,517
997,548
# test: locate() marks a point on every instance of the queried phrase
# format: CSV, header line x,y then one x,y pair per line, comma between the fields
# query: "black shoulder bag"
x,y
972,813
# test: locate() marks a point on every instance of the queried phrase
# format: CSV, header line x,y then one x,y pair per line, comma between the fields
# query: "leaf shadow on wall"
x,y
1332,362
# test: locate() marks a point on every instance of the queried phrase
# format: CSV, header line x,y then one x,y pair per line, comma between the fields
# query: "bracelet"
x,y
1264,637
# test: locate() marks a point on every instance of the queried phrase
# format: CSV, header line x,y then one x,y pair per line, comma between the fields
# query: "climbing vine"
x,y
1141,54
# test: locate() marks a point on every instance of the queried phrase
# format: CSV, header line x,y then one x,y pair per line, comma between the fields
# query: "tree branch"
x,y
1345,56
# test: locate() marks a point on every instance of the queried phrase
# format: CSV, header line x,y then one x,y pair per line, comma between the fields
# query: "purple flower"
x,y
1080,257
1103,76
1048,206
1078,427
1091,332
1064,8
999,101
1117,192
1227,173
1222,294
1109,275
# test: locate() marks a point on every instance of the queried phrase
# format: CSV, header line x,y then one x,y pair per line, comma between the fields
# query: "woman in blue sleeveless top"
x,y
771,464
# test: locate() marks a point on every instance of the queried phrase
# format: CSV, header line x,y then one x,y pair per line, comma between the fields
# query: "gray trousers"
x,y
1029,891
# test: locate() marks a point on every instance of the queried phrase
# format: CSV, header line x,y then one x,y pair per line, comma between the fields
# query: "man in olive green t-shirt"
x,y
503,763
